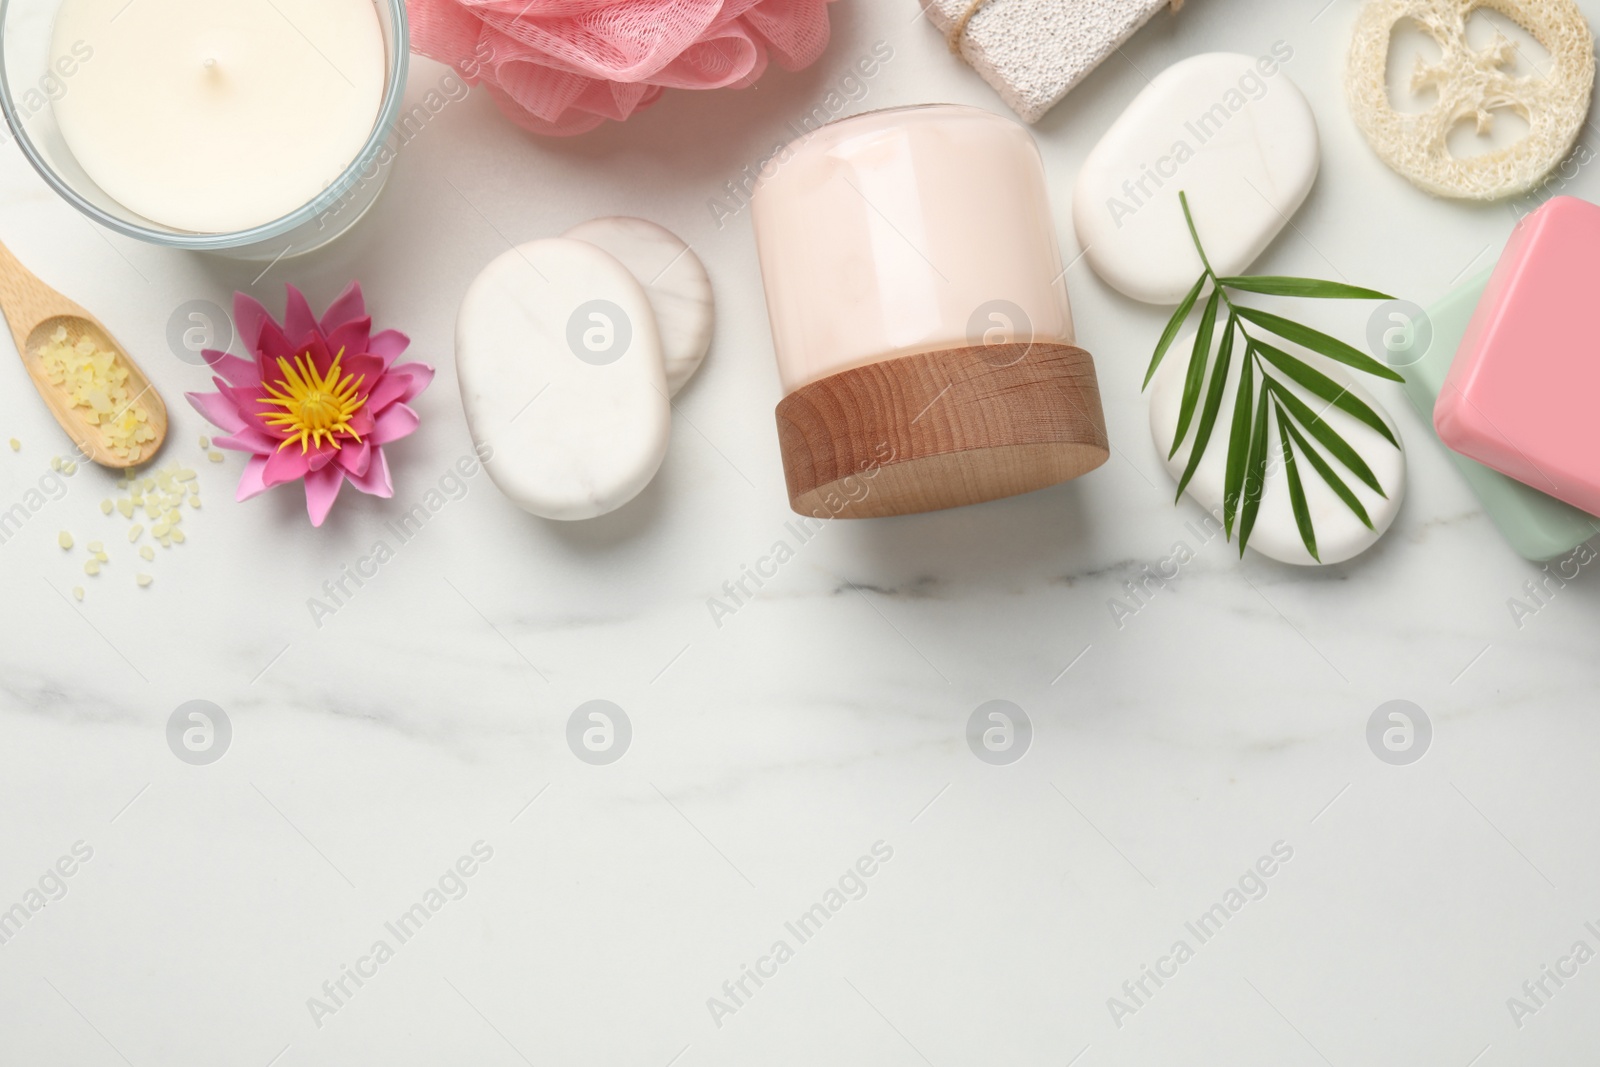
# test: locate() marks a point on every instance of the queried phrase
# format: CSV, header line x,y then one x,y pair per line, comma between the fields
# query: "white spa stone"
x,y
1231,131
561,378
673,278
1340,535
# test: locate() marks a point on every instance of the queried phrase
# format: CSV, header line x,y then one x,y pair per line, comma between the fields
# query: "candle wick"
x,y
210,63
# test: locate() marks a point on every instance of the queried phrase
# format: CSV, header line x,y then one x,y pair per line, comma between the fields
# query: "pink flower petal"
x,y
322,489
391,388
217,409
235,371
353,338
250,440
421,375
250,482
320,457
375,482
396,422
248,318
272,344
349,307
369,369
361,422
315,346
286,465
388,345
297,318
355,458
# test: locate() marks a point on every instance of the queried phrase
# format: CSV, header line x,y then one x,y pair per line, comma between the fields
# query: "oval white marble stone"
x,y
673,278
1240,142
568,435
1340,535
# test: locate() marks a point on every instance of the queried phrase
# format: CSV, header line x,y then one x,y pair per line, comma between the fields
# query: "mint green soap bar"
x,y
1539,527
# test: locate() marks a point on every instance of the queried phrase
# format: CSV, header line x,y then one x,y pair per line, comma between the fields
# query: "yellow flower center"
x,y
314,406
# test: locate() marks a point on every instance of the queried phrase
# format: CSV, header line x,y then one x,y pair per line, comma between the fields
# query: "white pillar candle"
x,y
219,115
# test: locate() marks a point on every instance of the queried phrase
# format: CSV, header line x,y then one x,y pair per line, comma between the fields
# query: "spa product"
x,y
1539,527
217,116
559,67
1231,130
93,388
1033,51
1521,395
675,281
1269,410
315,401
1468,83
562,379
1275,533
920,317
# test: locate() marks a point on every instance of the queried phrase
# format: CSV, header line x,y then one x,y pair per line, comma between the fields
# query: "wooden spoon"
x,y
33,310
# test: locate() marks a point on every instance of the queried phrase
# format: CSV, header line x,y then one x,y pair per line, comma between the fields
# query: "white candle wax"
x,y
219,115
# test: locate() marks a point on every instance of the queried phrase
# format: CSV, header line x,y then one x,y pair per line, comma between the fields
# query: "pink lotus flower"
x,y
317,402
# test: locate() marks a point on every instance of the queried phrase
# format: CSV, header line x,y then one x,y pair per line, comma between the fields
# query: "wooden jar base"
x,y
941,429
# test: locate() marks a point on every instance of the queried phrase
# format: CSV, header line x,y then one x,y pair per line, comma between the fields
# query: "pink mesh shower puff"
x,y
565,66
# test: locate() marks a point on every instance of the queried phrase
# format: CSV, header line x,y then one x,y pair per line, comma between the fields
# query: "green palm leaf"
x,y
1208,413
1238,442
1174,324
1325,387
1327,474
1255,483
1197,370
1318,341
1327,436
1297,491
1278,285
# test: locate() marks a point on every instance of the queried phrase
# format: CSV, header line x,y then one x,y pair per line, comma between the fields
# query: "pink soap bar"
x,y
1523,395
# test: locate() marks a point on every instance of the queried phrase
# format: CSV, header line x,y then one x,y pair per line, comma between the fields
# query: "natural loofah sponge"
x,y
1471,83
1033,51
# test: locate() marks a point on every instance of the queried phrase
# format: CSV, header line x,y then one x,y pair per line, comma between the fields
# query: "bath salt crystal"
x,y
77,592
92,567
1033,51
65,539
205,442
147,553
105,506
135,532
96,546
16,445
145,580
214,456
96,381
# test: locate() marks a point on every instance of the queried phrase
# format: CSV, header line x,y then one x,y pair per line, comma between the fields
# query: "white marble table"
x,y
824,719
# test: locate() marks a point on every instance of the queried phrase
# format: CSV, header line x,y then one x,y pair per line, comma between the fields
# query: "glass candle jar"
x,y
920,317
235,72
